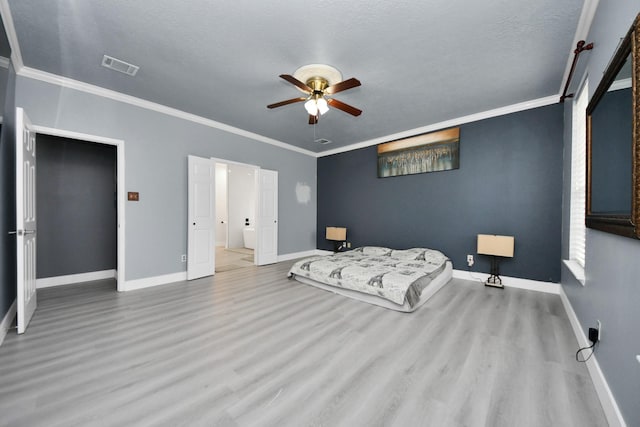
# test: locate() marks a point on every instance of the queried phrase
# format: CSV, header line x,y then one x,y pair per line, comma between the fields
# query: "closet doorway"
x,y
80,208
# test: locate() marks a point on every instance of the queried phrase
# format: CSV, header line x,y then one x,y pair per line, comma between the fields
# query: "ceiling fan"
x,y
319,81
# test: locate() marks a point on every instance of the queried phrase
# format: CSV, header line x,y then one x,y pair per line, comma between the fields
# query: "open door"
x,y
267,232
201,216
25,219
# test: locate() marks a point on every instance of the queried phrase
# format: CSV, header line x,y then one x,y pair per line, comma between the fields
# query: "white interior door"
x,y
25,219
201,215
267,232
221,204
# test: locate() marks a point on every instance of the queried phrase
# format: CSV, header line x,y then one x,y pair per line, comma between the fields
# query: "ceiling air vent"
x,y
323,141
118,65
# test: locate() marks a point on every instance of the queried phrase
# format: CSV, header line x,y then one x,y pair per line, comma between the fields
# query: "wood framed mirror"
x,y
613,144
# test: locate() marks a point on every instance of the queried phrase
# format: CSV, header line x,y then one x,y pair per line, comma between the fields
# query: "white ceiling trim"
x,y
527,105
620,84
142,103
118,96
582,31
76,135
10,30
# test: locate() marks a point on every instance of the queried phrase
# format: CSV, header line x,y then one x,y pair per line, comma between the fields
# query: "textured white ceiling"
x,y
420,62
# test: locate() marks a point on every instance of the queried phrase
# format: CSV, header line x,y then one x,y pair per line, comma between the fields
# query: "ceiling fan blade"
x,y
296,83
287,102
344,85
313,119
344,107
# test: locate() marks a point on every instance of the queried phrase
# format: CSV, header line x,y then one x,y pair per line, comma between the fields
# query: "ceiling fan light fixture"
x,y
311,106
316,81
321,103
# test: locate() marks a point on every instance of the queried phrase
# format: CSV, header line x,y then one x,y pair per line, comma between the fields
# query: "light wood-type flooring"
x,y
252,348
233,258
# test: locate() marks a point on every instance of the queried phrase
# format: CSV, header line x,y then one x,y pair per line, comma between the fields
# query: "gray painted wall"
x,y
4,77
611,293
7,209
76,207
156,149
509,182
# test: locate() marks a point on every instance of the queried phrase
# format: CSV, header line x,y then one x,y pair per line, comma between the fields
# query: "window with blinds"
x,y
578,176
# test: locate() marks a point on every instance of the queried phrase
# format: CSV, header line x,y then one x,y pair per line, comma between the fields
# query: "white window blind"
x,y
578,176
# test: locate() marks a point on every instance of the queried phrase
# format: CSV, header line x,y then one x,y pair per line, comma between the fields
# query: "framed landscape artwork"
x,y
429,152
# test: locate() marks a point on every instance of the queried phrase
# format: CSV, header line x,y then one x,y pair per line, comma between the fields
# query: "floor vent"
x,y
118,65
323,141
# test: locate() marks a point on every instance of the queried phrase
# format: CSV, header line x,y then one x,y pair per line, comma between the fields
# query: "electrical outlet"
x,y
349,245
183,258
599,330
470,260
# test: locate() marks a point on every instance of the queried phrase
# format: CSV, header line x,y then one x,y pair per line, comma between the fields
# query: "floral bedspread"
x,y
396,275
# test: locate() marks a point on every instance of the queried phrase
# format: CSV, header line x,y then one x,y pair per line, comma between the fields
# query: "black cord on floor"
x,y
586,348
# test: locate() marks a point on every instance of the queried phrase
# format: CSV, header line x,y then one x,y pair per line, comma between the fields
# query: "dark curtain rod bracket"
x,y
581,46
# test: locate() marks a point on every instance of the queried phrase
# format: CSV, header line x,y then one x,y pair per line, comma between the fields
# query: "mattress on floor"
x,y
397,279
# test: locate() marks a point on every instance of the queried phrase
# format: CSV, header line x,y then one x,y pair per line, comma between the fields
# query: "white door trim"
x,y
119,143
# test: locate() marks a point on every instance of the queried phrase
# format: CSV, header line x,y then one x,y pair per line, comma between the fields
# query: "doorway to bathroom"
x,y
236,200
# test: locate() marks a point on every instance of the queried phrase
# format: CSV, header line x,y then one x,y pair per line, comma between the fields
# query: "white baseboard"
x,y
47,282
7,321
322,252
608,402
511,282
296,255
148,282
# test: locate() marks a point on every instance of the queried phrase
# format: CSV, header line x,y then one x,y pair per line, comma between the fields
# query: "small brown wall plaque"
x,y
133,196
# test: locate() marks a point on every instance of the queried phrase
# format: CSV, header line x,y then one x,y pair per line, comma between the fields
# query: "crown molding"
x,y
138,102
522,106
582,31
10,30
620,84
142,103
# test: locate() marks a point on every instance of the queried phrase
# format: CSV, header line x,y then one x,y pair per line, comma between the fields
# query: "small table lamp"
x,y
338,235
496,246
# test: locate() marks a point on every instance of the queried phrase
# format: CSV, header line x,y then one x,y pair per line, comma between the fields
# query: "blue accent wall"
x,y
509,182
